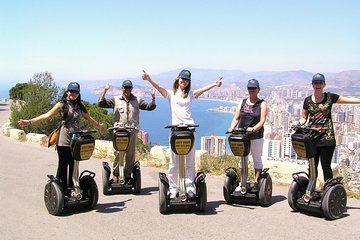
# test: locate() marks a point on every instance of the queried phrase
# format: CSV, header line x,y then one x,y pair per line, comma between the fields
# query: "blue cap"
x,y
73,86
185,74
127,83
253,83
318,77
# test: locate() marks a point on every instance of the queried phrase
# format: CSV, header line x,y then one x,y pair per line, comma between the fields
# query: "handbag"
x,y
52,137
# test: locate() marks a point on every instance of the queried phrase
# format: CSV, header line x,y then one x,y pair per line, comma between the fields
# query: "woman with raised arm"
x,y
70,109
180,99
317,112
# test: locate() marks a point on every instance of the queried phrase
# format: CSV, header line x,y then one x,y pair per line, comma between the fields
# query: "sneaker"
x,y
173,193
129,181
238,189
255,188
190,192
115,179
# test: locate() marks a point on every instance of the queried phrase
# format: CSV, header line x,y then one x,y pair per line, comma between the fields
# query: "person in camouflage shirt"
x,y
317,114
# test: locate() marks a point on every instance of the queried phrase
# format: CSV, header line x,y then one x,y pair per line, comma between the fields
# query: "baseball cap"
x,y
73,86
318,77
253,83
127,83
185,74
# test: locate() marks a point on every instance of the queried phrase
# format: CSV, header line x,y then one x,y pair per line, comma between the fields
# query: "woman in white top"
x,y
180,99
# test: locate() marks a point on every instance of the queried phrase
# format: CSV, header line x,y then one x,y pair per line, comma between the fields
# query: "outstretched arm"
x,y
55,110
102,97
146,76
93,122
200,91
348,100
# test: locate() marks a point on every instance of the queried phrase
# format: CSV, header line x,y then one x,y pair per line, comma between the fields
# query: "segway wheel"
x,y
54,198
90,191
162,197
105,182
228,189
265,191
334,202
296,191
202,196
137,181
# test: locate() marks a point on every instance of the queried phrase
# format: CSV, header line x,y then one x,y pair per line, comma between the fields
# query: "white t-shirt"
x,y
180,107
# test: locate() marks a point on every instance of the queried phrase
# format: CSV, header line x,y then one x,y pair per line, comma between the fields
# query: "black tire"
x,y
137,181
54,198
296,191
105,181
228,189
334,202
90,191
202,196
265,191
162,197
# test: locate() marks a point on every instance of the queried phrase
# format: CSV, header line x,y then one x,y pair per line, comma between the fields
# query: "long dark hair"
x,y
64,100
176,86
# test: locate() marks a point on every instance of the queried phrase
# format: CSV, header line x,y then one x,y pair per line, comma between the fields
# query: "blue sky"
x,y
86,39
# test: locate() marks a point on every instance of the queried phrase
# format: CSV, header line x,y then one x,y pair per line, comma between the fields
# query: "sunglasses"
x,y
317,82
74,91
128,87
251,88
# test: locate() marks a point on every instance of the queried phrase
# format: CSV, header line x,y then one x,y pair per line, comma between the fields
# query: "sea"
x,y
154,122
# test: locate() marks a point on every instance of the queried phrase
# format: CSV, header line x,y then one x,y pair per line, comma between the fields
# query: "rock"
x,y
17,134
37,138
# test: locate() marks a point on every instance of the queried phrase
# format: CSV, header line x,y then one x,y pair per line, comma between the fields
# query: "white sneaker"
x,y
173,193
190,190
238,189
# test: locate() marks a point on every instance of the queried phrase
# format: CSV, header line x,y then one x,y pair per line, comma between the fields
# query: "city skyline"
x,y
92,40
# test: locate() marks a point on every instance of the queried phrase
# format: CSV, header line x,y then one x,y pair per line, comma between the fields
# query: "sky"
x,y
112,39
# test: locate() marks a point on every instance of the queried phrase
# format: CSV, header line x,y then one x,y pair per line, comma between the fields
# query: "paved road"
x,y
23,215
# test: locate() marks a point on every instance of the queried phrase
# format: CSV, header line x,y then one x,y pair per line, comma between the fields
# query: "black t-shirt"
x,y
320,117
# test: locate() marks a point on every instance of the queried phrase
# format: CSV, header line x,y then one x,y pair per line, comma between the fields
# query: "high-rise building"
x,y
214,145
144,136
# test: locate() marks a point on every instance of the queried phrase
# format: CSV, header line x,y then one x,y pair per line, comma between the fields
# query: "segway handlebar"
x,y
237,131
304,128
120,128
182,125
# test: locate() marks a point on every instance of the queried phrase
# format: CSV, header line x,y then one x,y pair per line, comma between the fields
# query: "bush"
x,y
218,165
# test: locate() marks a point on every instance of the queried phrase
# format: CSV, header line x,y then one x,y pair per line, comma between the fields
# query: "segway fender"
x,y
136,165
164,179
106,167
232,174
200,178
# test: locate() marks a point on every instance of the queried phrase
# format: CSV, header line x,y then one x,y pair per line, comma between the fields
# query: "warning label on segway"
x,y
121,143
183,146
299,148
86,151
238,148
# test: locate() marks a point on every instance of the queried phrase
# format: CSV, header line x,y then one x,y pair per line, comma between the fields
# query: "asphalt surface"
x,y
23,215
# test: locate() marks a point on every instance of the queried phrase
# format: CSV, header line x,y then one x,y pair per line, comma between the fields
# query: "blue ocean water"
x,y
154,122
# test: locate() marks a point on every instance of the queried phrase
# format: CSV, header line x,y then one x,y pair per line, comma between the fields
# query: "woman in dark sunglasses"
x,y
251,114
71,110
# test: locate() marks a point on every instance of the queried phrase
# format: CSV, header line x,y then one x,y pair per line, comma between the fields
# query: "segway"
x,y
240,144
302,196
182,141
84,193
121,138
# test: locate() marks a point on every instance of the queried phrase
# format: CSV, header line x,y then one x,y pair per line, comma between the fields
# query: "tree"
x,y
35,97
